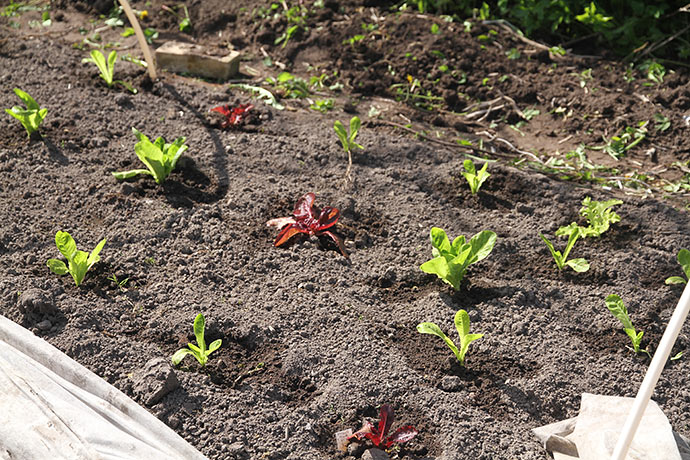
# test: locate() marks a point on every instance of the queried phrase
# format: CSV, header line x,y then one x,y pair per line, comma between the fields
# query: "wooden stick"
x,y
140,37
652,377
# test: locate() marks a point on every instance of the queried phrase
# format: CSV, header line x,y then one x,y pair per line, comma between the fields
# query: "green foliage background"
x,y
620,25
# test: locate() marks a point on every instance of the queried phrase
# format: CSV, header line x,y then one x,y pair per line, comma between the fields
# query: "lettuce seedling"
x,y
78,262
160,158
32,116
107,68
462,324
684,261
199,352
474,178
450,261
599,215
616,306
573,231
347,140
377,434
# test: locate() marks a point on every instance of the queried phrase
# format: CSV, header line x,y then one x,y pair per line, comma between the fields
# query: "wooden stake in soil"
x,y
151,64
652,376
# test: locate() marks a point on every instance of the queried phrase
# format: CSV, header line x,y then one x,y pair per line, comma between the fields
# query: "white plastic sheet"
x,y
51,407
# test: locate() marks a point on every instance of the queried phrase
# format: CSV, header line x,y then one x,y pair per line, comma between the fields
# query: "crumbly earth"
x,y
313,341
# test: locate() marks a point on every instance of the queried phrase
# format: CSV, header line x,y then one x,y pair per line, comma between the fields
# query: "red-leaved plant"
x,y
377,435
233,116
308,219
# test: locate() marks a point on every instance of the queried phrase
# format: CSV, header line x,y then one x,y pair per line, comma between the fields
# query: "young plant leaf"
x,y
450,261
684,261
199,351
599,216
433,329
78,262
159,157
616,306
31,117
573,231
474,179
377,434
462,325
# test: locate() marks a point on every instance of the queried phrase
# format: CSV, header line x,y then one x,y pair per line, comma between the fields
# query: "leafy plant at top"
x,y
474,178
684,261
78,262
617,146
233,116
185,23
32,116
599,216
450,261
290,86
347,140
199,351
617,308
378,434
573,231
462,324
107,68
160,158
308,219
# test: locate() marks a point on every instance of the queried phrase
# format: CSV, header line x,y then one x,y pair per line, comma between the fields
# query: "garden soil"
x,y
313,341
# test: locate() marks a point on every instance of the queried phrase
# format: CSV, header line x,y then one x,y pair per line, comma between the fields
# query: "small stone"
x,y
237,451
375,454
35,301
44,325
123,100
450,383
355,449
154,381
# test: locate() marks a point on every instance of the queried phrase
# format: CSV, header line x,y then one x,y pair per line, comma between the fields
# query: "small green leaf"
x,y
433,329
437,266
482,244
57,266
579,265
462,324
616,306
129,174
199,327
180,354
675,280
65,244
94,257
439,240
214,346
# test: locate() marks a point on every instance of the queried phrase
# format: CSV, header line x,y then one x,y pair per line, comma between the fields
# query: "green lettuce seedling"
x,y
32,116
616,306
684,261
599,215
474,178
347,140
160,158
199,352
78,262
574,232
107,68
450,261
462,324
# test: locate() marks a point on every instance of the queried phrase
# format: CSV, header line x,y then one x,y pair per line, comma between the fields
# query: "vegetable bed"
x,y
316,337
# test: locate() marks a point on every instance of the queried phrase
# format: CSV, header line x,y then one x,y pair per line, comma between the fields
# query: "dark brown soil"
x,y
312,341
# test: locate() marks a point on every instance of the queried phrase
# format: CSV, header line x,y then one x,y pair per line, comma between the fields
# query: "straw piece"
x,y
652,377
140,37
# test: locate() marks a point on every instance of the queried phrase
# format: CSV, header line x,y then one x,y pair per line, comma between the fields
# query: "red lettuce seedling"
x,y
233,116
307,218
377,435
